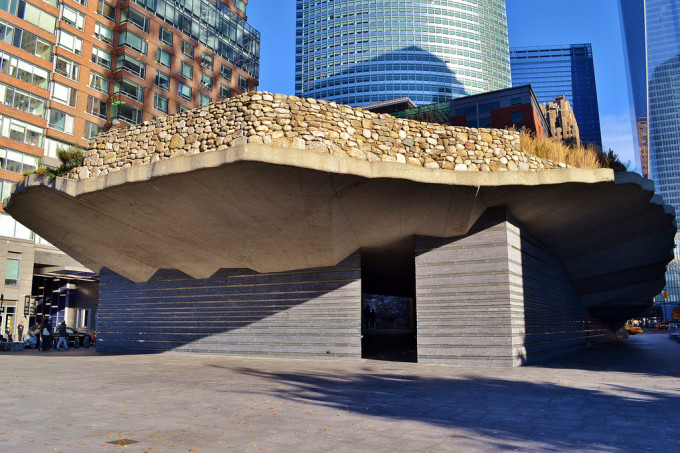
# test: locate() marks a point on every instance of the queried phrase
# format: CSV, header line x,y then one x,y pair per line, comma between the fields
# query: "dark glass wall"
x,y
566,70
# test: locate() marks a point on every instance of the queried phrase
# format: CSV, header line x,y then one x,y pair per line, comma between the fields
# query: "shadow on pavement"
x,y
650,353
553,415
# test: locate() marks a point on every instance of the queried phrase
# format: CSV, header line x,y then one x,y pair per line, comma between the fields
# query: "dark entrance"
x,y
388,291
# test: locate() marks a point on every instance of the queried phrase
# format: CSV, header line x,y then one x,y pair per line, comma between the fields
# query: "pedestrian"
x,y
366,314
46,337
20,331
63,335
371,322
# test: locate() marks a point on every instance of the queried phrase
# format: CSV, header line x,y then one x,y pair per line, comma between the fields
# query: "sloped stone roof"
x,y
308,124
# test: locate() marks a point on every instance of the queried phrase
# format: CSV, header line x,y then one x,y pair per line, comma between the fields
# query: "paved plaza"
x,y
620,397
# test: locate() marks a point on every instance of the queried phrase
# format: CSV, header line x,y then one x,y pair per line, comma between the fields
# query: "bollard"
x,y
86,342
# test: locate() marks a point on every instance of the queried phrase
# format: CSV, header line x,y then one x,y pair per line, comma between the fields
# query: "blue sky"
x,y
531,22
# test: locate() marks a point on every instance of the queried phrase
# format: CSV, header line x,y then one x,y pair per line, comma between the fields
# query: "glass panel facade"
x,y
359,52
651,33
567,71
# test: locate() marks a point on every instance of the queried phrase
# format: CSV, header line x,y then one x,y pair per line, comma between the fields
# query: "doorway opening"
x,y
388,302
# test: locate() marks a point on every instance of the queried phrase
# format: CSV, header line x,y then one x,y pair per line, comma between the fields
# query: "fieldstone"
x,y
177,141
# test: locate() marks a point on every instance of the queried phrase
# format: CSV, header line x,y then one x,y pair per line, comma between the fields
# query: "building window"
x,y
162,80
165,35
96,107
103,33
64,94
92,129
243,83
181,108
225,72
131,64
101,57
204,100
206,82
61,121
22,132
70,42
136,42
73,17
184,91
225,91
128,88
240,5
99,82
126,112
12,272
67,68
160,103
186,70
107,10
136,18
25,71
207,61
517,117
187,49
26,41
164,58
17,162
515,101
23,101
31,14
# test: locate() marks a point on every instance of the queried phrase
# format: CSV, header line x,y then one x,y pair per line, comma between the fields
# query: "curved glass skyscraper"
x,y
363,51
651,32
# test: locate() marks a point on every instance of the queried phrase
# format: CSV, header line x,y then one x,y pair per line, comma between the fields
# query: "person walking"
x,y
63,335
20,331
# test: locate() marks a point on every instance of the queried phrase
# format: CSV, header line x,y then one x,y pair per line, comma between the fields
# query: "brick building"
x,y
70,69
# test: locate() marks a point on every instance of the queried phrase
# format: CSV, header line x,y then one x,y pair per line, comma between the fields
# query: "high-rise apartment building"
x,y
365,51
70,69
567,71
651,35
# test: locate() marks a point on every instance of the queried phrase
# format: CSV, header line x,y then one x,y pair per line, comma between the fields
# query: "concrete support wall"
x,y
495,297
302,314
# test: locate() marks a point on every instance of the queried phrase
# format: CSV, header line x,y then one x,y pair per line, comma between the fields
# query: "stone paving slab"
x,y
619,397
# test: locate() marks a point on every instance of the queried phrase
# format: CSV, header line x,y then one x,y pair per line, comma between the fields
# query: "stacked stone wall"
x,y
316,126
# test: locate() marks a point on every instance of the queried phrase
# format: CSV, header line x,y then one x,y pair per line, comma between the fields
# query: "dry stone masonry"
x,y
308,124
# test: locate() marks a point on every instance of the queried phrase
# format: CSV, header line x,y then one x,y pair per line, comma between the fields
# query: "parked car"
x,y
662,325
633,329
73,336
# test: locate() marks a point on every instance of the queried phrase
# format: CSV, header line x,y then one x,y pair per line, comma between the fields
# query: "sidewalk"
x,y
621,397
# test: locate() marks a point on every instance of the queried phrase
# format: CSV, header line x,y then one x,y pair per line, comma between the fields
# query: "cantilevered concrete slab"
x,y
274,183
272,208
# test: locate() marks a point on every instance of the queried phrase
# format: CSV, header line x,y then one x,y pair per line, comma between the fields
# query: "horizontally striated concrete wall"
x,y
317,126
496,297
312,313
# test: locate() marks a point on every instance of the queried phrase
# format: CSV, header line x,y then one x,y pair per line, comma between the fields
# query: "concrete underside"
x,y
273,209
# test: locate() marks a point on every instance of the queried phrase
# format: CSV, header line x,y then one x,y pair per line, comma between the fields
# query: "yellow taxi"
x,y
631,329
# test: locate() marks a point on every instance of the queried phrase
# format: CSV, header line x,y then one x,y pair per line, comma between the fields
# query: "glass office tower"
x,y
567,71
358,52
651,35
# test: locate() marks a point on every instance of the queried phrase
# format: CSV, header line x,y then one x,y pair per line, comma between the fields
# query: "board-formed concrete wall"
x,y
314,313
495,297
